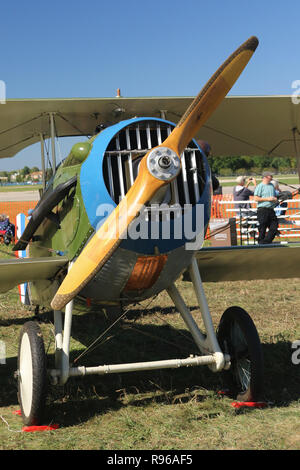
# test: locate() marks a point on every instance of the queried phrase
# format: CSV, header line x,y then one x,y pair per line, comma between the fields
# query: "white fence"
x,y
246,219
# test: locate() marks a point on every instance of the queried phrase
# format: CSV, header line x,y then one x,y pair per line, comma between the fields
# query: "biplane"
x,y
110,225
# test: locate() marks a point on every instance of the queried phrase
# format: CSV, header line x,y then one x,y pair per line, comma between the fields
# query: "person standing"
x,y
206,148
265,195
241,192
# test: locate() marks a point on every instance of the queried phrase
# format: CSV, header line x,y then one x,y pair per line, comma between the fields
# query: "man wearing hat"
x,y
265,196
241,192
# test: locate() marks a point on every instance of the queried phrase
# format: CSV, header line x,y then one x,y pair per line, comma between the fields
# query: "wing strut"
x,y
295,130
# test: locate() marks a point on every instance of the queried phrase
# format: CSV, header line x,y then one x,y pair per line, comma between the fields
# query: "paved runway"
x,y
11,196
34,195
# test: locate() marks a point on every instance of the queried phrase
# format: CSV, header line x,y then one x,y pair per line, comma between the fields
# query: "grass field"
x,y
285,179
166,409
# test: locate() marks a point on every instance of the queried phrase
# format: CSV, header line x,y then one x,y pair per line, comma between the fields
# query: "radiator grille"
x,y
124,152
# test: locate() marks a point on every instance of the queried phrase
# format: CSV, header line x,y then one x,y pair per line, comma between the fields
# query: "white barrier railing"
x,y
247,225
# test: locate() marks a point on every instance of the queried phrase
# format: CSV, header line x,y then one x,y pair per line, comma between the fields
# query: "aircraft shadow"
x,y
282,377
134,341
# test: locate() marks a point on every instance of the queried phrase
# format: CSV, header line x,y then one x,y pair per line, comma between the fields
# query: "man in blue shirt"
x,y
265,196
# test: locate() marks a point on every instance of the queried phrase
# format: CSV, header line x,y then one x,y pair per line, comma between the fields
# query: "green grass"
x,y
164,409
227,181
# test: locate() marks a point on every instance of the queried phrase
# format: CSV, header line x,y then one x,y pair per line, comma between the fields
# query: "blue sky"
x,y
147,48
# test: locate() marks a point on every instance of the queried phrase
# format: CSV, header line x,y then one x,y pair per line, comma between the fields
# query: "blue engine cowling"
x,y
106,176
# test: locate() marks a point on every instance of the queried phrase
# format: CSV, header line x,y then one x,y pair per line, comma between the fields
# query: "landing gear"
x,y
31,374
235,349
238,337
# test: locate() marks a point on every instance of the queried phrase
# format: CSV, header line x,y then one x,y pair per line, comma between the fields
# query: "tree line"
x,y
20,174
246,165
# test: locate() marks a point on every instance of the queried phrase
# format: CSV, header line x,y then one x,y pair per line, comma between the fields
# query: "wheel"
x,y
238,337
31,374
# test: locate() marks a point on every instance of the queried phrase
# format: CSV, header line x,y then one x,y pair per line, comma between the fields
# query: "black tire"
x,y
32,375
238,337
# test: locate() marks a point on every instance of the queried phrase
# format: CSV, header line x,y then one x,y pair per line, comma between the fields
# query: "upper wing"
x,y
19,270
254,125
243,263
242,125
23,121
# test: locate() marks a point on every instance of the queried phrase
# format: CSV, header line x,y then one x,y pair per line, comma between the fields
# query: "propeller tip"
x,y
60,301
252,43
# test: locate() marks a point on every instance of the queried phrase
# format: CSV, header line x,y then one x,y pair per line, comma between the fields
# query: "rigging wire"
x,y
81,133
96,343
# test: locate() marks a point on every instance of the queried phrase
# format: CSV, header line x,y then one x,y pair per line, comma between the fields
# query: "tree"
x,y
19,178
247,165
25,171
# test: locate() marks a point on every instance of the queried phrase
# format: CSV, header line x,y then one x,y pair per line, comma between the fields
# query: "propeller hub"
x,y
163,163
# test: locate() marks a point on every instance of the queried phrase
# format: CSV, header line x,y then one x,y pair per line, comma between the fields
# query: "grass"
x,y
165,409
283,179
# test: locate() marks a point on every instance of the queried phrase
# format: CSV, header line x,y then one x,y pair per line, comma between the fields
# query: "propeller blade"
x,y
157,168
106,239
210,96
